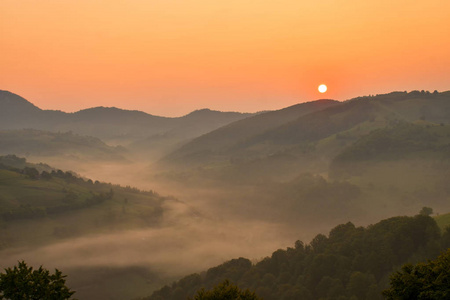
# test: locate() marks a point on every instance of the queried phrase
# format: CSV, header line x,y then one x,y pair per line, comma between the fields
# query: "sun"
x,y
322,88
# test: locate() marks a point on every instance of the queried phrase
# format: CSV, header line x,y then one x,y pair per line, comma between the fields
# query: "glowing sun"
x,y
322,88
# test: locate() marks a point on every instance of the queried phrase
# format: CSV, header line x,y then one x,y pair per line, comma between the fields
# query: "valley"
x,y
129,202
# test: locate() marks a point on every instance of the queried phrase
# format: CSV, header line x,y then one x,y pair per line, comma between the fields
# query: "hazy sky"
x,y
169,57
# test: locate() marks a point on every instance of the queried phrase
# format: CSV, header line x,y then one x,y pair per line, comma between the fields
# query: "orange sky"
x,y
169,57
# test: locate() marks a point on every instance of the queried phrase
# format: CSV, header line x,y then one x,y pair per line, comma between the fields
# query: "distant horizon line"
x,y
214,110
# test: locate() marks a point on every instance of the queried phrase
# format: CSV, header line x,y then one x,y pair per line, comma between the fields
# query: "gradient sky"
x,y
169,57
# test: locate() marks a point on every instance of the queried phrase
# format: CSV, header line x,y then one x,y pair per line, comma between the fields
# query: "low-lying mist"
x,y
207,223
201,228
175,250
152,257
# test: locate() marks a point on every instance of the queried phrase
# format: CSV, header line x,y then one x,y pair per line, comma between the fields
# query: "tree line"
x,y
350,263
67,184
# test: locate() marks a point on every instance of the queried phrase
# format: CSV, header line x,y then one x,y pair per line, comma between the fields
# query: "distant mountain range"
x,y
109,123
309,134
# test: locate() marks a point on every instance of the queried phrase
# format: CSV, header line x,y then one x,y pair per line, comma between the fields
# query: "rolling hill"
x,y
363,159
402,141
38,143
39,195
218,142
113,125
307,142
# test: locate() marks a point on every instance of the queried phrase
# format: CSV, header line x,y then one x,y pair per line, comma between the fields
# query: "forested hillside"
x,y
50,201
363,160
401,141
350,263
308,142
216,143
46,214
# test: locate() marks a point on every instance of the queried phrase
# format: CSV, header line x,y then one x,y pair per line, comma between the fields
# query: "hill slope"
x,y
220,141
109,123
350,263
37,143
39,196
402,141
308,142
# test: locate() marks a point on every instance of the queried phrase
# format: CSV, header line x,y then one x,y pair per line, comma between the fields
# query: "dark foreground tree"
x,y
430,281
24,283
426,211
225,291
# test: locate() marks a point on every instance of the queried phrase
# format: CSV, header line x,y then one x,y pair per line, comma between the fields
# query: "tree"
x,y
429,281
31,173
426,211
24,283
46,175
225,291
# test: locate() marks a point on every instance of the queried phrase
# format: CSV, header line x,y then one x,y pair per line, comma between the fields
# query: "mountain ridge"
x,y
242,129
10,97
313,138
108,123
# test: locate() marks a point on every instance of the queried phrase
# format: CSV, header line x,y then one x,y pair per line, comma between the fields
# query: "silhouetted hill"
x,y
225,138
194,120
109,123
188,127
317,125
12,103
307,142
18,113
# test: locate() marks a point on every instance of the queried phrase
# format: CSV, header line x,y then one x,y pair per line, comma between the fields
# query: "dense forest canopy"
x,y
429,280
350,263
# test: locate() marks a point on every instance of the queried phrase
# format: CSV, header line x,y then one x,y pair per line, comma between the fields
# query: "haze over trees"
x,y
44,207
240,185
35,192
350,263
